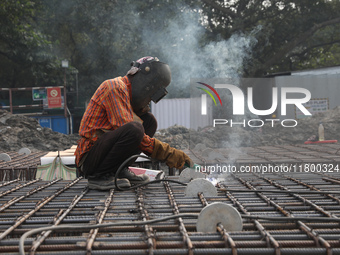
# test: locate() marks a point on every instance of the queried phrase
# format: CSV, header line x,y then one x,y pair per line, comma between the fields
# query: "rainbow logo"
x,y
204,97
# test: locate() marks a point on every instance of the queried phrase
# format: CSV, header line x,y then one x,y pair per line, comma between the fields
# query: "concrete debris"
x,y
224,136
19,131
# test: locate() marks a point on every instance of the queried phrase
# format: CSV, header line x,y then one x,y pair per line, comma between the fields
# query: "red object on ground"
x,y
326,141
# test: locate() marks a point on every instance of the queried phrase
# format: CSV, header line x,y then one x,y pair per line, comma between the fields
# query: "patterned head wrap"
x,y
135,64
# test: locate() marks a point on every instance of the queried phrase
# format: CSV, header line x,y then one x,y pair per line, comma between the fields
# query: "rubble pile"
x,y
268,134
19,131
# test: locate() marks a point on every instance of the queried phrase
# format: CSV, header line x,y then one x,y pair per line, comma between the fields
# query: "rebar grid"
x,y
56,221
182,229
20,166
151,242
57,202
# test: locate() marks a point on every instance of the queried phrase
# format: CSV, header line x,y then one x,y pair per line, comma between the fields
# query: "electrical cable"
x,y
147,222
182,215
121,167
91,226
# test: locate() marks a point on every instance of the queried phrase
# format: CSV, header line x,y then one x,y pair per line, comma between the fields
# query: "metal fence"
x,y
179,111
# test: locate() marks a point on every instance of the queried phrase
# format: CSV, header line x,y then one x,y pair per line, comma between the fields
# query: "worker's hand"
x,y
171,156
144,110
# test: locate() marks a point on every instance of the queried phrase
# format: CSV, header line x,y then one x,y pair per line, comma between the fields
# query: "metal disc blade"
x,y
200,186
216,213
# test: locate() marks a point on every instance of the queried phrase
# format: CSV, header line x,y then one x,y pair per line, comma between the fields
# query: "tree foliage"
x,y
23,47
294,34
101,38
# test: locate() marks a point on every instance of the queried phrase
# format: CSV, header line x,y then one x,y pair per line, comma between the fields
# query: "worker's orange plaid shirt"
x,y
109,109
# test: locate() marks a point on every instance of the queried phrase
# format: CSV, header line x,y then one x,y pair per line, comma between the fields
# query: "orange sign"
x,y
54,97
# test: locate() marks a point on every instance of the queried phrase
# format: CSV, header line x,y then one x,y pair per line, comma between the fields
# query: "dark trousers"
x,y
114,147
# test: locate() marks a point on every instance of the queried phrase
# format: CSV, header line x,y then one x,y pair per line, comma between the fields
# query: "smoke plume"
x,y
181,44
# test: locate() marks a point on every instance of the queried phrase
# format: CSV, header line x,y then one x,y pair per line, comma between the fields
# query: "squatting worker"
x,y
117,124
